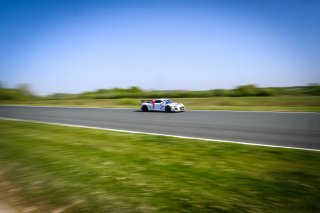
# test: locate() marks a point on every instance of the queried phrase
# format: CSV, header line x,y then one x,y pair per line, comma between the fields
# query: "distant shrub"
x,y
313,89
220,92
135,89
251,90
61,96
13,95
245,90
266,92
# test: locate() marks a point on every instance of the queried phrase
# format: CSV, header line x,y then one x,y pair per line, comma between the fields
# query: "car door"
x,y
157,105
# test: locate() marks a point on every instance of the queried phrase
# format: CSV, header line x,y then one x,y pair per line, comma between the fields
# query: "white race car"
x,y
164,105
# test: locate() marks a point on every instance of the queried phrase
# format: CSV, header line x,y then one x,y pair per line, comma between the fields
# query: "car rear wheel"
x,y
144,109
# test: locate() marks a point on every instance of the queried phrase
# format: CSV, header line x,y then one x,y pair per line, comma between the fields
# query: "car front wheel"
x,y
168,109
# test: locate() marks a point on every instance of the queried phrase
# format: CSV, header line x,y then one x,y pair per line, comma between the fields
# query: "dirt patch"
x,y
12,200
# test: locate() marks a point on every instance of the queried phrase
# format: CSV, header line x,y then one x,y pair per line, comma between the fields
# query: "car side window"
x,y
157,101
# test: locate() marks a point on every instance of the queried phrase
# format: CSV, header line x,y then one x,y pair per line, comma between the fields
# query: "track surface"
x,y
301,130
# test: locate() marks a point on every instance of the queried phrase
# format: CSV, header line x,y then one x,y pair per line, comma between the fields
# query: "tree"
x,y
246,90
135,89
25,89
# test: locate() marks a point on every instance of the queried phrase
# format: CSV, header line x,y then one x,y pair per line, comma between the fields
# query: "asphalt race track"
x,y
301,130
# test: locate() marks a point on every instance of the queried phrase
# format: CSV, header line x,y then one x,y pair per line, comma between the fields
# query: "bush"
x,y
313,89
13,95
245,90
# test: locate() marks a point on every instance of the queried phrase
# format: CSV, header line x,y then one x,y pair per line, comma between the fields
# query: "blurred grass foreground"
x,y
49,168
246,97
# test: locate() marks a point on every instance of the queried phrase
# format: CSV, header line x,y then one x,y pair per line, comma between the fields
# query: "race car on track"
x,y
164,105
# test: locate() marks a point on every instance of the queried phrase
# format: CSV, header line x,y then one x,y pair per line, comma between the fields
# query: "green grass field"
x,y
65,169
273,103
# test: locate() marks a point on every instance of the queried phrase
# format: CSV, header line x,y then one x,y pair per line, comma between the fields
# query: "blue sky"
x,y
74,46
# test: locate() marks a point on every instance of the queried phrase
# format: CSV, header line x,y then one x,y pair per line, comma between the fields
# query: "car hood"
x,y
176,104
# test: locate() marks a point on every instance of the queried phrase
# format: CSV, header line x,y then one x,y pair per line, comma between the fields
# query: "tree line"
x,y
23,92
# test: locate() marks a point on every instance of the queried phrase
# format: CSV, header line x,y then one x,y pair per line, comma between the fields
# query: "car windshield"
x,y
169,101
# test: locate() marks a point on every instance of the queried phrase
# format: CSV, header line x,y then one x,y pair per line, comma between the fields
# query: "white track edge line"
x,y
158,134
67,107
196,110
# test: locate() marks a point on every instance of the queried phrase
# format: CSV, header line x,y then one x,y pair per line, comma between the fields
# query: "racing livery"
x,y
162,104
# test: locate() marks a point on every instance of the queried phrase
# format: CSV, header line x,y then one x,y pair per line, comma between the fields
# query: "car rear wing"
x,y
145,101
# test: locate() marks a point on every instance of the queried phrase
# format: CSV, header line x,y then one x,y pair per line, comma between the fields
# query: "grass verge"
x,y
67,169
274,103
